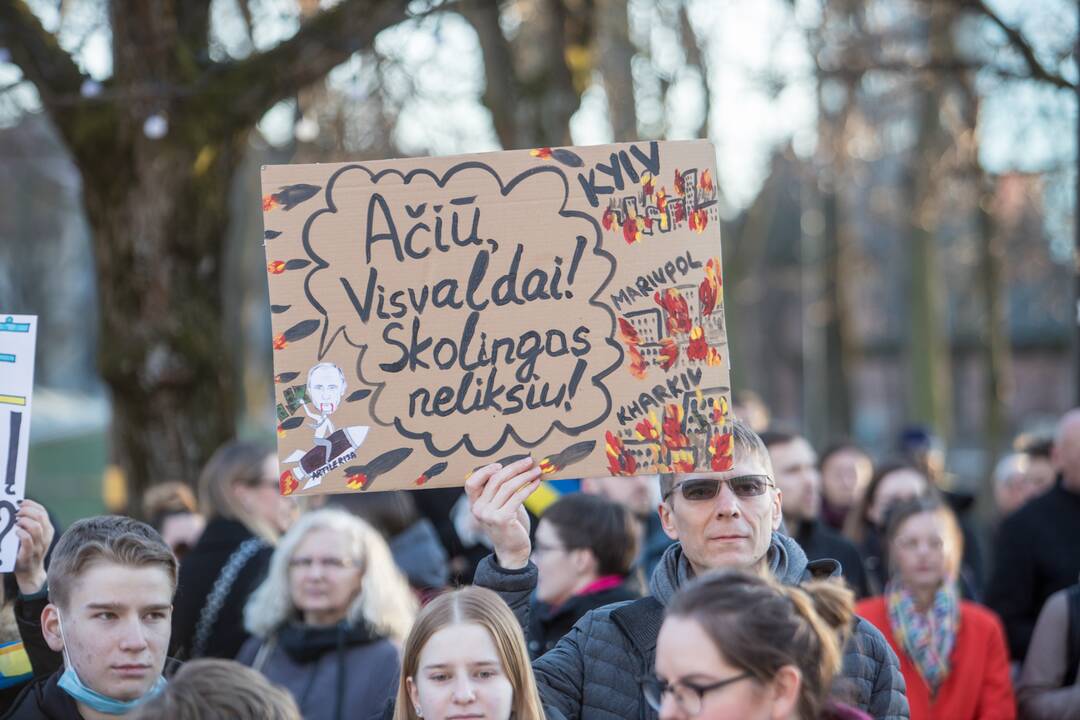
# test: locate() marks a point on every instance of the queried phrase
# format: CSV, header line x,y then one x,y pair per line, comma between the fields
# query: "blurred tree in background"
x,y
878,272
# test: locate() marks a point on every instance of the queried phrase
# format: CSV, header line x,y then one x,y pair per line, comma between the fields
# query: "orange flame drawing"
x,y
647,429
719,410
637,363
280,431
698,220
705,181
542,153
356,482
680,182
647,184
682,461
630,230
270,202
287,484
547,467
698,349
276,267
715,358
680,211
711,287
620,462
678,314
674,437
608,219
669,353
720,448
279,342
628,332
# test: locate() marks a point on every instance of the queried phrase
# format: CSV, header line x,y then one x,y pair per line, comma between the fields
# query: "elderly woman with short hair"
x,y
329,620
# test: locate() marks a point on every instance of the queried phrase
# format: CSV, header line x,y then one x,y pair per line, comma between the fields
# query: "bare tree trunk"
x,y
695,58
996,346
615,55
929,347
158,202
530,88
829,389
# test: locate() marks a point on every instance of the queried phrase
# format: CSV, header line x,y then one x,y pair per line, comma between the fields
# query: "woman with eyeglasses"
x,y
329,618
736,646
584,552
245,516
953,652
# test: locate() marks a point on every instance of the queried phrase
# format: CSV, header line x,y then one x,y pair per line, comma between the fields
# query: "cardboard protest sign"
x,y
433,315
18,338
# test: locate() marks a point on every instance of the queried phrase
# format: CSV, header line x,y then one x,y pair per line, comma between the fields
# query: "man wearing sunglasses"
x,y
719,520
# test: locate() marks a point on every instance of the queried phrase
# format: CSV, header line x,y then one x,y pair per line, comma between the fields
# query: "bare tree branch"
x,y
193,23
1020,44
906,67
37,52
256,83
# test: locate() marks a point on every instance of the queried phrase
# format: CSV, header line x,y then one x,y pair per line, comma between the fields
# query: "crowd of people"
x,y
791,587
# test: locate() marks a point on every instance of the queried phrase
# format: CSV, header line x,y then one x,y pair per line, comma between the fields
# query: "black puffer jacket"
x,y
550,624
44,700
592,672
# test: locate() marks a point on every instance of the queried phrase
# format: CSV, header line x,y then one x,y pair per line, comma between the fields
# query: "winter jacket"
x,y
44,661
28,608
44,700
593,672
1042,689
199,572
978,685
550,624
332,673
819,541
1036,555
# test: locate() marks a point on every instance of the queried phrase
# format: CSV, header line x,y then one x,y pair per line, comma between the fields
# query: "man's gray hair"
x,y
325,365
747,446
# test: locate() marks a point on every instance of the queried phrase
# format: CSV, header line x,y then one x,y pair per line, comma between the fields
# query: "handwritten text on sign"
x,y
433,315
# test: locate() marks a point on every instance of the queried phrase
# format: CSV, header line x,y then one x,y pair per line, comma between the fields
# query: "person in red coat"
x,y
953,653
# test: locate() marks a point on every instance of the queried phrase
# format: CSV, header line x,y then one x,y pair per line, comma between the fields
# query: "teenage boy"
x,y
110,586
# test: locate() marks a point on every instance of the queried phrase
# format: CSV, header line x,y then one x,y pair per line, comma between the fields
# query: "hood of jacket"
x,y
420,554
786,560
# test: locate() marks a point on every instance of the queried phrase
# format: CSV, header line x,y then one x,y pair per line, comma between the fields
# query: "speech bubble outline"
x,y
505,189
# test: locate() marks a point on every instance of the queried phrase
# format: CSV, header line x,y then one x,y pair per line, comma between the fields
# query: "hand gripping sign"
x,y
434,315
18,339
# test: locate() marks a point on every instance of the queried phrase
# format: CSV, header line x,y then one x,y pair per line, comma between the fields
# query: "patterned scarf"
x,y
927,638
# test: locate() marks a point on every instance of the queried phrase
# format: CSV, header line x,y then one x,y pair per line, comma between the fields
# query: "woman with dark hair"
x,y
584,552
865,525
952,652
736,645
845,474
246,514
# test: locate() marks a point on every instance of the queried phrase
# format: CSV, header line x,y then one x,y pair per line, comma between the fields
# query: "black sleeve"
x,y
43,659
1011,590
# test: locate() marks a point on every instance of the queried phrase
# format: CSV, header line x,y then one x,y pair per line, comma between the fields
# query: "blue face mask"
x,y
72,684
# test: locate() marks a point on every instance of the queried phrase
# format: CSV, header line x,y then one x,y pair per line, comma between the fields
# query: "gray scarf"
x,y
787,562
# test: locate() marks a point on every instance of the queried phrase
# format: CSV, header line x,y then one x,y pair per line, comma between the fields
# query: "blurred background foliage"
x,y
898,181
